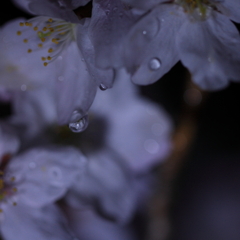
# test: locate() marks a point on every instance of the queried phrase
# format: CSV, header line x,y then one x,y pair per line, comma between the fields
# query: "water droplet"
x,y
154,64
32,165
60,58
120,15
115,9
107,12
24,87
79,125
103,87
144,32
151,146
60,78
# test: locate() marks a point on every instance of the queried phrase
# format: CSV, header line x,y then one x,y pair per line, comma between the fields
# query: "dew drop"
x,y
154,64
79,125
32,165
103,87
144,32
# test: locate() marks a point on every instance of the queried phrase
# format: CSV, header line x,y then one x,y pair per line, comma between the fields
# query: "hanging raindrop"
x,y
103,87
154,64
79,125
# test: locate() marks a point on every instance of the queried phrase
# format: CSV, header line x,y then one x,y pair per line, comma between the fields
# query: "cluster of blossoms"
x,y
56,181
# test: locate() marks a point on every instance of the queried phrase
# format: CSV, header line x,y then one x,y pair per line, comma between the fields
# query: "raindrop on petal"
x,y
144,32
154,64
79,125
103,87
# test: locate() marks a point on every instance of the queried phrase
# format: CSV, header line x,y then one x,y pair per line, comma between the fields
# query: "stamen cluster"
x,y
50,34
201,7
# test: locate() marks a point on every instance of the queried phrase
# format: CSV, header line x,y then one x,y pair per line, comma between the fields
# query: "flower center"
x,y
199,9
51,34
7,188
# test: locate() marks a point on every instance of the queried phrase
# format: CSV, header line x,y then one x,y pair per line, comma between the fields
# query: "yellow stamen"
x,y
21,24
29,50
45,64
25,40
19,33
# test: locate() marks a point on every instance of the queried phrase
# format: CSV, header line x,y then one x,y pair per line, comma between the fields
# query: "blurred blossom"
x,y
30,183
199,33
126,137
87,225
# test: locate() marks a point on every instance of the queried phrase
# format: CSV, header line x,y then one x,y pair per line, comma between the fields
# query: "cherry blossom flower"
x,y
55,51
30,183
126,137
199,33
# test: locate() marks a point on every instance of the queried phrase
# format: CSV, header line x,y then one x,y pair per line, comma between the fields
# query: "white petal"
x,y
231,9
76,88
88,225
210,49
44,175
110,22
136,128
9,142
33,111
143,4
108,185
56,8
150,51
24,222
100,76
